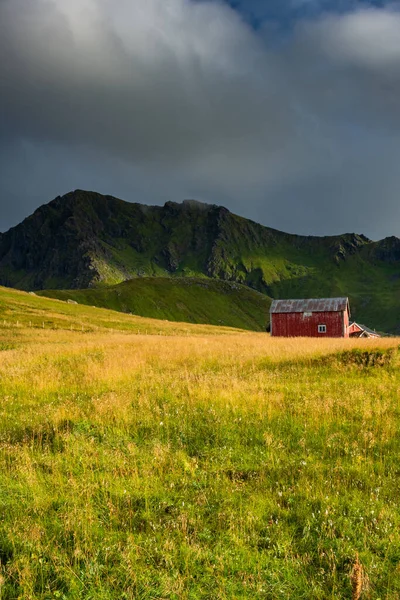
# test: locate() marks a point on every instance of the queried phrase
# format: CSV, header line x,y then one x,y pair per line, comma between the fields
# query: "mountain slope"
x,y
184,299
86,240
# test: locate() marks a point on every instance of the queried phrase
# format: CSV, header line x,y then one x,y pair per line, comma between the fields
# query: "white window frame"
x,y
321,328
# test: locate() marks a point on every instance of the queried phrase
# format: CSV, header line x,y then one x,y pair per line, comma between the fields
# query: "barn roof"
x,y
309,305
367,330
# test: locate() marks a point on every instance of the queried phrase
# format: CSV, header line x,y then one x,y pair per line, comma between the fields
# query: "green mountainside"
x,y
86,240
192,300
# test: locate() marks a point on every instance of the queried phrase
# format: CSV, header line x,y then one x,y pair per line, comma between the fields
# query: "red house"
x,y
321,317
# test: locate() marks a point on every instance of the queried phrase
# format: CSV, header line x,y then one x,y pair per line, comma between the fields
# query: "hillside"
x,y
185,299
84,239
21,312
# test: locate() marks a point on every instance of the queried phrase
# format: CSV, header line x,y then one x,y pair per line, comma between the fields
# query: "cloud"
x,y
163,100
368,38
143,81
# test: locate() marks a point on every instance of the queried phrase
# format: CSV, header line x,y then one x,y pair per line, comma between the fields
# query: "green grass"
x,y
207,466
185,299
21,311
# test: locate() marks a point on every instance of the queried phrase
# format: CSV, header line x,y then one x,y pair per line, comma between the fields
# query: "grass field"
x,y
201,463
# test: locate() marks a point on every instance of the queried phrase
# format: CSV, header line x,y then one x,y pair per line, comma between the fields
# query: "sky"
x,y
286,112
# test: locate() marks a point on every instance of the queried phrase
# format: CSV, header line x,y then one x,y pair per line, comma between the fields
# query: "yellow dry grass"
x,y
229,369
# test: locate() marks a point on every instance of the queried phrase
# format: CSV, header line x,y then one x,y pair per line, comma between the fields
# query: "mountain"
x,y
85,240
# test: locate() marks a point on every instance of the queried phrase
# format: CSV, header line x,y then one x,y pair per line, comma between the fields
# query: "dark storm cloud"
x,y
165,100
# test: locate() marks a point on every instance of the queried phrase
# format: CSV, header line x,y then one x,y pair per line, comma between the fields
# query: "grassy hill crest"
x,y
192,300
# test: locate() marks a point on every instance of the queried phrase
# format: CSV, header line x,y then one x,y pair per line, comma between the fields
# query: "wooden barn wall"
x,y
354,329
346,323
297,325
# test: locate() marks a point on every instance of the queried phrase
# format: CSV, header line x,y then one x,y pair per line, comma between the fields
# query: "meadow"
x,y
144,459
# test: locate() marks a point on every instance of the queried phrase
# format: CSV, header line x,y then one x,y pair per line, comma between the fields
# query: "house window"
x,y
321,328
307,314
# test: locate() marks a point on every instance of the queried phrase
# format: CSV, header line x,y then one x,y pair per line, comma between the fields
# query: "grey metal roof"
x,y
367,329
309,305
